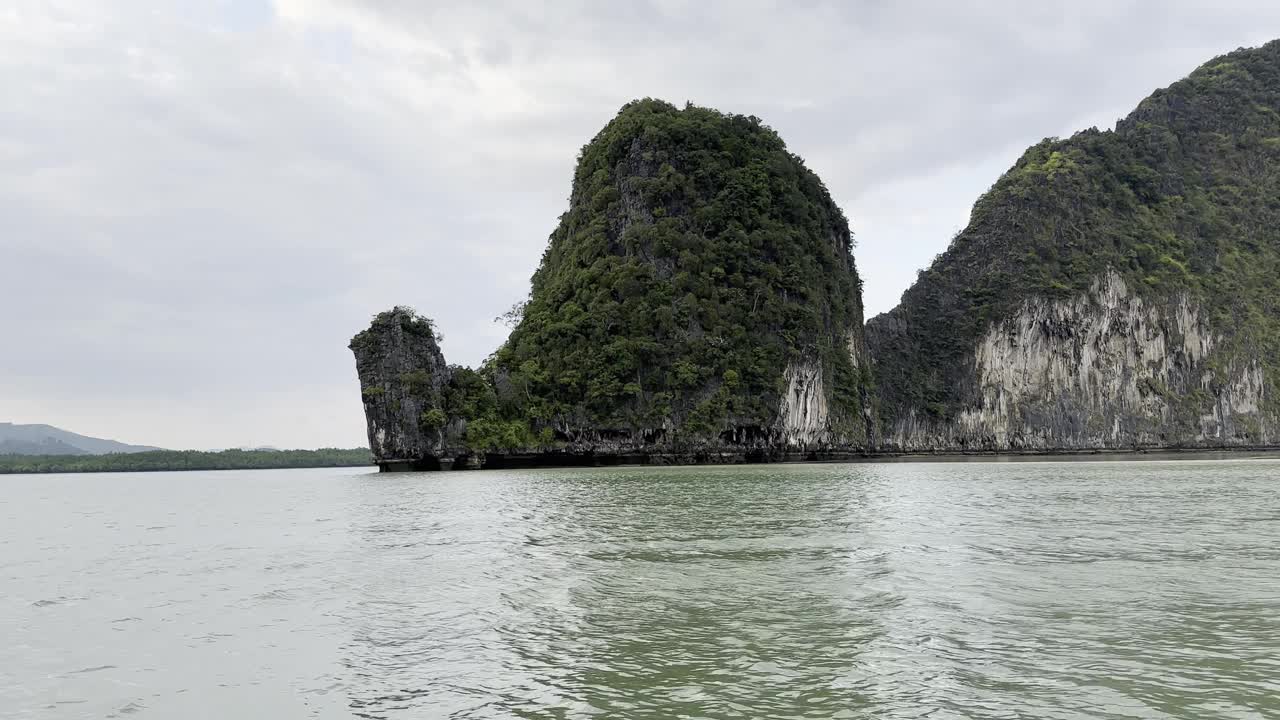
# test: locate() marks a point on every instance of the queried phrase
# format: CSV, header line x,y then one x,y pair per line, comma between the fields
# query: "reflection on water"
x,y
1045,590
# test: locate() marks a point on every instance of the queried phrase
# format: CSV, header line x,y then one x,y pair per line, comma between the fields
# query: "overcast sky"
x,y
202,200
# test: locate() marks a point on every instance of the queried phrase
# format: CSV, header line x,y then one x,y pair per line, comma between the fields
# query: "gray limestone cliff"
x,y
1105,369
699,302
403,377
1113,290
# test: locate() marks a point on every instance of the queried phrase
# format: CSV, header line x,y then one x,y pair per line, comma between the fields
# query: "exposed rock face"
x,y
1115,289
803,420
1104,370
699,302
402,376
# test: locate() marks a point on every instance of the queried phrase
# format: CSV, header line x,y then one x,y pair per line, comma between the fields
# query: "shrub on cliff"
x,y
695,249
1182,197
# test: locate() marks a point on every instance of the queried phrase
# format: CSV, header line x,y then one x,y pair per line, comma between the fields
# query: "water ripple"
x,y
1072,591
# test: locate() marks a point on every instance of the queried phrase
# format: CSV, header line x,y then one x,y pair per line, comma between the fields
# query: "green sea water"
x,y
902,590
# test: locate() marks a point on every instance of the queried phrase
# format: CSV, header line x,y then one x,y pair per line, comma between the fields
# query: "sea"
x,y
1047,589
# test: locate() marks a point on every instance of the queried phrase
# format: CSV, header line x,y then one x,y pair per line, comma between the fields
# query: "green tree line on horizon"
x,y
161,460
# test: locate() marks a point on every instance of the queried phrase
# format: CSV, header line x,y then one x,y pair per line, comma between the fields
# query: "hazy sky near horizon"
x,y
202,200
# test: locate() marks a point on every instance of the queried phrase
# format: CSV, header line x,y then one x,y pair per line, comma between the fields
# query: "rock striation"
x,y
403,377
699,302
1114,290
1106,369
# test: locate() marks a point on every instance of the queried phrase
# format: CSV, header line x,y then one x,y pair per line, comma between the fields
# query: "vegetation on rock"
x,y
1183,197
416,405
700,292
697,259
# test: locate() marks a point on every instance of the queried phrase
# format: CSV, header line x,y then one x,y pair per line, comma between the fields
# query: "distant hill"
x,y
49,440
174,460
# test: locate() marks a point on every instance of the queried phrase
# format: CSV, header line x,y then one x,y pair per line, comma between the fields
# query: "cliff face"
x,y
699,301
699,296
1114,290
1105,369
403,378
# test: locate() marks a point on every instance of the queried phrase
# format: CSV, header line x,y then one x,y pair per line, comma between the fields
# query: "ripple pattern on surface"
x,y
1031,590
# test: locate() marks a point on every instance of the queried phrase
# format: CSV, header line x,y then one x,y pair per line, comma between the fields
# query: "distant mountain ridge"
x,y
49,440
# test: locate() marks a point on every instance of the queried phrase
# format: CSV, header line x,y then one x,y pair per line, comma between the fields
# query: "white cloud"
x,y
202,201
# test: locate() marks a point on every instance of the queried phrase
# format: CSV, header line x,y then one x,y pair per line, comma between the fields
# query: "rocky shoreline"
x,y
552,459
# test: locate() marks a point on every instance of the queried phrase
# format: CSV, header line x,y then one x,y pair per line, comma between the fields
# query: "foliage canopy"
x,y
697,258
1182,197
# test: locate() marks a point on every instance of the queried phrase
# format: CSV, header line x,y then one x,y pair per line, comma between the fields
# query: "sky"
x,y
201,201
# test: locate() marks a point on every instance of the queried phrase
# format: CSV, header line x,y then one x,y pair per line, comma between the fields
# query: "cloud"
x,y
200,202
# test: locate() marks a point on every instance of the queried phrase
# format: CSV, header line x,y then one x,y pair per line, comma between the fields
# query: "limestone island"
x,y
699,303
